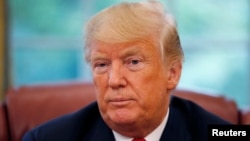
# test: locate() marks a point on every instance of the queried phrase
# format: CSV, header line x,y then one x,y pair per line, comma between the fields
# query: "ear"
x,y
174,74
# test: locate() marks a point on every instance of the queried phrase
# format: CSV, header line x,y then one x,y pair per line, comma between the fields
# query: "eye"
x,y
135,64
100,66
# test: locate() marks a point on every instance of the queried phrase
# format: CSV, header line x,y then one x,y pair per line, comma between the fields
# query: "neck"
x,y
138,130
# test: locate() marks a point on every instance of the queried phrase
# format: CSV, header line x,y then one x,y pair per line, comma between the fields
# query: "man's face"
x,y
131,84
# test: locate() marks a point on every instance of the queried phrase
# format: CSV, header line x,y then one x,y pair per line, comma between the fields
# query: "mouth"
x,y
120,102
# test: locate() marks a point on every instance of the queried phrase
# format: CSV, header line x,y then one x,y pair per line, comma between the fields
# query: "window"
x,y
46,42
215,38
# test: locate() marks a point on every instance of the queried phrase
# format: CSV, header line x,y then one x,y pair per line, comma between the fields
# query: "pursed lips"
x,y
120,102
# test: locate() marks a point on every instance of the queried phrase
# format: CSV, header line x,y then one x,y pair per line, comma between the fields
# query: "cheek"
x,y
100,81
154,93
100,96
151,78
101,86
152,87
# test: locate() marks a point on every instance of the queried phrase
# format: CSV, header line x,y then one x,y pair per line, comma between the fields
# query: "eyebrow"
x,y
130,52
97,56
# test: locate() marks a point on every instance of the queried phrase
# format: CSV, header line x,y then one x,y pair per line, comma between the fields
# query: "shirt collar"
x,y
155,135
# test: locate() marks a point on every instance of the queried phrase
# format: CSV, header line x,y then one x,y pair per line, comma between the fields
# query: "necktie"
x,y
139,139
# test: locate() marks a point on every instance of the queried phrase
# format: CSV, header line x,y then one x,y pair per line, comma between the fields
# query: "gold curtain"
x,y
2,48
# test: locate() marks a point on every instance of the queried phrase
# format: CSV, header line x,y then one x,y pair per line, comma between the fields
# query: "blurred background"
x,y
42,42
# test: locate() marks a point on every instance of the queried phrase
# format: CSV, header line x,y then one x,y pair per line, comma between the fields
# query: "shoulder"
x,y
71,125
192,118
192,110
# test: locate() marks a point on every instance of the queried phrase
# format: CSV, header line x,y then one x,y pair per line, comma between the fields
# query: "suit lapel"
x,y
177,127
102,132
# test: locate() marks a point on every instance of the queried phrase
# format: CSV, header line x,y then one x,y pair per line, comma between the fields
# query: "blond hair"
x,y
128,22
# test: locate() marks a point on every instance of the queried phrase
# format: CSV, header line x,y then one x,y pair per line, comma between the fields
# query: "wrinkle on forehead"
x,y
103,50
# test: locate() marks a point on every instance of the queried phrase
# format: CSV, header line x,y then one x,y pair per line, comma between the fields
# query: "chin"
x,y
122,117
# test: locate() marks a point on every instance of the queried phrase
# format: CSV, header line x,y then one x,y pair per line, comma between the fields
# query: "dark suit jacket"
x,y
187,122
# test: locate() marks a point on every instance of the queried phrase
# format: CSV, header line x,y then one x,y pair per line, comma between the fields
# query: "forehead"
x,y
122,48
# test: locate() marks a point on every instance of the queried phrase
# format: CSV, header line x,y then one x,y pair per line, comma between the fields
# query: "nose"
x,y
116,77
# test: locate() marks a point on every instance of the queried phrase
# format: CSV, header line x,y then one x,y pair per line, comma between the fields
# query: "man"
x,y
136,60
